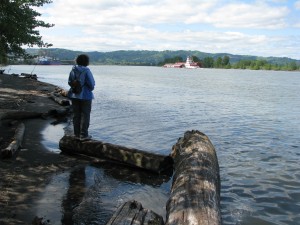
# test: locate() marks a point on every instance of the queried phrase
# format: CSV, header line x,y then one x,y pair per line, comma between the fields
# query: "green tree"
x,y
218,63
208,62
196,59
292,66
226,61
18,27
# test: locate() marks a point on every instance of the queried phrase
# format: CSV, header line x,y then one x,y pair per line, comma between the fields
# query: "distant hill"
x,y
149,58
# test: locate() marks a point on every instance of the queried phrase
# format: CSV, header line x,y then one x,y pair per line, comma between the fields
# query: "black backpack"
x,y
75,84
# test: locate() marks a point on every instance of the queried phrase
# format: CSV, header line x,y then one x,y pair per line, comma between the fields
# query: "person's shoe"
x,y
89,137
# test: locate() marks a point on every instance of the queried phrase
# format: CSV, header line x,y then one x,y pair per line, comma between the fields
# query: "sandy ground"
x,y
23,177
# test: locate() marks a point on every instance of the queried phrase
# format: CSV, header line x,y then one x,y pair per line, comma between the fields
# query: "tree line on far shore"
x,y
224,63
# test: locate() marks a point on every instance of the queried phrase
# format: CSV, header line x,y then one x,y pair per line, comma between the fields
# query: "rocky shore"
x,y
24,175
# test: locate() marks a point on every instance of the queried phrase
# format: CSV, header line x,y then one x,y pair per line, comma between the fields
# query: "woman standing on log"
x,y
82,84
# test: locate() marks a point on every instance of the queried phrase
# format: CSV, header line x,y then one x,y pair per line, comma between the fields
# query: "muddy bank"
x,y
24,176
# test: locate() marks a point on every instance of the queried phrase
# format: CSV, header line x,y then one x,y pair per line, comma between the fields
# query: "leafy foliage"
x,y
18,23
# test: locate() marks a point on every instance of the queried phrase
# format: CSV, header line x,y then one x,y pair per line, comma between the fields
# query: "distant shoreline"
x,y
159,58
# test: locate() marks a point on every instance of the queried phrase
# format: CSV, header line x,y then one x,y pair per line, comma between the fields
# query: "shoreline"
x,y
24,176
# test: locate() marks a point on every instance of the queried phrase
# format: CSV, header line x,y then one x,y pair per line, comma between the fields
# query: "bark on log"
x,y
18,115
29,75
195,192
132,212
61,91
128,156
60,99
16,143
61,116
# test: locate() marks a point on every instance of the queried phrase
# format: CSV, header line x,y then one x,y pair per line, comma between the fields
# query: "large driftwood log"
x,y
128,156
16,143
29,76
60,99
132,212
61,91
195,192
18,115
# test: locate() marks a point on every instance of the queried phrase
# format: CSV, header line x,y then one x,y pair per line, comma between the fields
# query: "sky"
x,y
260,28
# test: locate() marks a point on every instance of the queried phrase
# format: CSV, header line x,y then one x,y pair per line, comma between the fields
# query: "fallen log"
x,y
195,192
129,156
132,212
60,99
18,115
61,91
29,76
16,143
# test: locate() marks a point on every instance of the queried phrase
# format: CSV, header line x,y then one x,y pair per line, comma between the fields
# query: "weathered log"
x,y
60,99
61,91
17,115
16,143
195,192
29,76
66,111
132,212
129,156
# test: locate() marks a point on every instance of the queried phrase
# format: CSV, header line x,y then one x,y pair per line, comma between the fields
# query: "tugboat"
x,y
190,64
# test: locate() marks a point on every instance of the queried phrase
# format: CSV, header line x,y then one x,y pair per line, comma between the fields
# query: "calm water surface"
x,y
251,117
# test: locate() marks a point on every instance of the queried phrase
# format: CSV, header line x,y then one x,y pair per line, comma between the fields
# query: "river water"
x,y
251,117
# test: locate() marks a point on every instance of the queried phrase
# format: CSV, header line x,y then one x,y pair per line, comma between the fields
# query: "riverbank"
x,y
24,176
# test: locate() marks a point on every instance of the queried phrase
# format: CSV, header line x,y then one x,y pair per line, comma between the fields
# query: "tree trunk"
x,y
16,143
61,91
18,115
195,192
128,156
132,212
60,99
29,76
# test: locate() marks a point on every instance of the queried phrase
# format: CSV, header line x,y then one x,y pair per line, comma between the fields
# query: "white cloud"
x,y
72,12
209,26
297,5
257,16
147,13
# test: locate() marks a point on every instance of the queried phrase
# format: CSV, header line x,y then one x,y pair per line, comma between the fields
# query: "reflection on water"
x,y
74,194
52,134
251,117
91,194
113,185
49,204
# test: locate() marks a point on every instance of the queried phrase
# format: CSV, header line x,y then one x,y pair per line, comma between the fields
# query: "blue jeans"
x,y
81,119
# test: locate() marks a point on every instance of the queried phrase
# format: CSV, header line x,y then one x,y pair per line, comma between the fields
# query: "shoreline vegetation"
x,y
160,58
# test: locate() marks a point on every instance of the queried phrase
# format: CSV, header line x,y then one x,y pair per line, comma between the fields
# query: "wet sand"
x,y
24,177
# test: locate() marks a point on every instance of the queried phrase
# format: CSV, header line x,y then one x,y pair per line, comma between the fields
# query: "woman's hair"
x,y
82,60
